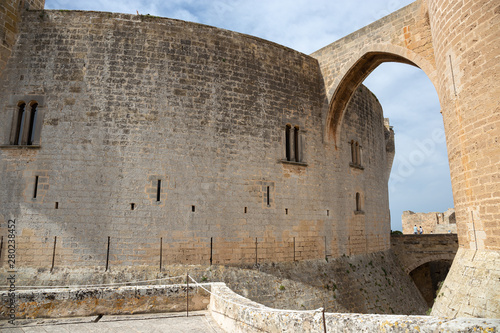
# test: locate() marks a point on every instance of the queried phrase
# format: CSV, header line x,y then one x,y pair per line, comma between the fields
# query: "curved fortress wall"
x,y
163,135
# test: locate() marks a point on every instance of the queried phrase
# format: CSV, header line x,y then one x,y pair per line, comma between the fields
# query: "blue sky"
x,y
420,178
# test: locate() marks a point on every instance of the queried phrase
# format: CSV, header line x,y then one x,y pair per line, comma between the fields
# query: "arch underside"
x,y
414,265
357,73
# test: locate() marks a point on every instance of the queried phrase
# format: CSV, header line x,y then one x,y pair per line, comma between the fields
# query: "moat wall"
x,y
370,283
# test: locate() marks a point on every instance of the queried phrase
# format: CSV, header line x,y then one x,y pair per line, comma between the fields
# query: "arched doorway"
x,y
429,277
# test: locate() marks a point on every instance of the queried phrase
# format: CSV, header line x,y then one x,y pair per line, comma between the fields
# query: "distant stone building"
x,y
432,223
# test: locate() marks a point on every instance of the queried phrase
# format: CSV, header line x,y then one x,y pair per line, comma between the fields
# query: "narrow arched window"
x,y
358,202
21,114
353,152
31,131
288,150
296,143
26,123
357,160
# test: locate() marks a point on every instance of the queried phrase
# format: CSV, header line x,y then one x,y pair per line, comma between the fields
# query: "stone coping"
x,y
234,313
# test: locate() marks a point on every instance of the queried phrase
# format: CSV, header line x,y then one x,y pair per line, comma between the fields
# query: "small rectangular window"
x,y
57,205
268,198
296,143
36,187
158,190
288,150
193,208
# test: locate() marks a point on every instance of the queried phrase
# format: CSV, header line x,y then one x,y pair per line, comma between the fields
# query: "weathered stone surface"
x,y
415,250
234,313
79,302
159,133
471,287
10,16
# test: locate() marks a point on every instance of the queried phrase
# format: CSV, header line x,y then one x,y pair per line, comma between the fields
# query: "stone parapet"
x,y
415,250
234,313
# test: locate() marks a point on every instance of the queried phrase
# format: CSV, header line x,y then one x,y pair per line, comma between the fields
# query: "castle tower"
x,y
465,37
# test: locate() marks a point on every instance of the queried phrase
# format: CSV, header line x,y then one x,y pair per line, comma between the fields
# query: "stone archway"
x,y
403,36
356,71
429,276
452,43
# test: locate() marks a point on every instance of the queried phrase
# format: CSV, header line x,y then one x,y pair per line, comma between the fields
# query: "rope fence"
x,y
96,285
187,278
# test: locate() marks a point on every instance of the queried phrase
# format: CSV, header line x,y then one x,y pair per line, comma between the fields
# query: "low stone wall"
x,y
76,302
235,313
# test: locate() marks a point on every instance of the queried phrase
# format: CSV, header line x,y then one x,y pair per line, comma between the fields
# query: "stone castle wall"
x,y
11,12
165,137
465,36
127,101
432,223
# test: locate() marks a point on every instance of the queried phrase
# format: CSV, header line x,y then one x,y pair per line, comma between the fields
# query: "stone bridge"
x,y
426,259
414,251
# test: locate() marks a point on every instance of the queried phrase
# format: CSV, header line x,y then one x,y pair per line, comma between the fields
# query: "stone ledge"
x,y
293,162
356,166
20,146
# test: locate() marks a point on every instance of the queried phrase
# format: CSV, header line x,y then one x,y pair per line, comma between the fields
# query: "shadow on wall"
x,y
429,277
